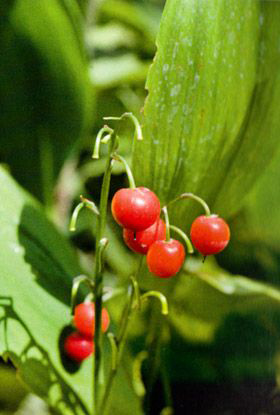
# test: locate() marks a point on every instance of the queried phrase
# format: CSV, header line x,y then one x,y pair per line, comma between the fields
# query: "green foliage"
x,y
210,126
10,382
207,294
211,123
45,91
37,267
254,248
229,323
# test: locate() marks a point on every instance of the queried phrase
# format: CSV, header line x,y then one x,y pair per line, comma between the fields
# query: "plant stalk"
x,y
193,197
120,342
98,278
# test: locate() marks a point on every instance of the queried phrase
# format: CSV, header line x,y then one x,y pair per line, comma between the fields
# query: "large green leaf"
x,y
207,294
37,267
211,118
45,91
254,249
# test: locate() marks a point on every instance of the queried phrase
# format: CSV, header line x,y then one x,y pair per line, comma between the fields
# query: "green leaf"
x,y
45,90
262,207
12,391
254,249
211,117
37,267
207,294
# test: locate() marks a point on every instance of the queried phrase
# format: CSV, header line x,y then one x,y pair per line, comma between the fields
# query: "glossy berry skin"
x,y
141,241
78,347
135,209
84,318
210,234
165,258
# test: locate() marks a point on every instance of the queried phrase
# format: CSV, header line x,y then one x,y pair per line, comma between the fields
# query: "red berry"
x,y
165,258
84,318
210,234
141,241
78,347
135,209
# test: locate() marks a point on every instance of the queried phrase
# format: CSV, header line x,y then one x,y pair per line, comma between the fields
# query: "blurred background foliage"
x,y
65,65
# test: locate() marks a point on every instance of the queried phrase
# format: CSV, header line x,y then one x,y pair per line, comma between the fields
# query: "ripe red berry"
x,y
210,234
135,209
84,318
165,258
78,347
141,241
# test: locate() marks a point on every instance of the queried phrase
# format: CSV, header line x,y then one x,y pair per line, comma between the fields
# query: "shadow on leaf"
x,y
35,366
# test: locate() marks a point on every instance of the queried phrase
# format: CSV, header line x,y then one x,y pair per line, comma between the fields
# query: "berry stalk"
x,y
129,174
193,197
167,224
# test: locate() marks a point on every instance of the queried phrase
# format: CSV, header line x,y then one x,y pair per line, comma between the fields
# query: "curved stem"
x,y
184,237
130,177
114,349
160,297
138,383
98,140
166,218
75,287
135,121
84,203
136,292
74,217
193,197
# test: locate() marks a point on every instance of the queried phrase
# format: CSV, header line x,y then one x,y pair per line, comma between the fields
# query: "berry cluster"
x,y
80,344
138,210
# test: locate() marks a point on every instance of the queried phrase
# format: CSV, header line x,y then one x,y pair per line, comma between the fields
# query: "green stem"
x,y
84,203
80,279
193,197
117,349
119,342
166,218
130,177
184,237
99,140
135,121
160,297
98,278
138,383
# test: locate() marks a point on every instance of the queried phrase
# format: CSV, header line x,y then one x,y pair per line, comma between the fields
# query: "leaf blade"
x,y
201,135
